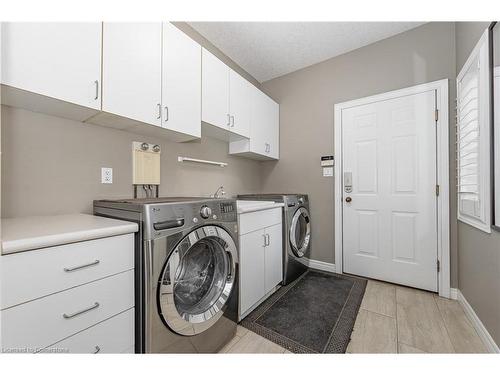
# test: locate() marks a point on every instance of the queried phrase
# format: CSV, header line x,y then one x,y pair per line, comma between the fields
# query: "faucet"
x,y
219,192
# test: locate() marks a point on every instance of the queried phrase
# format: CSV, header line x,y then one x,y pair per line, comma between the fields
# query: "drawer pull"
x,y
69,316
97,349
71,269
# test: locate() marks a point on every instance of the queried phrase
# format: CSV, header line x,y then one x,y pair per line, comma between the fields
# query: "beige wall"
x,y
478,252
52,165
306,100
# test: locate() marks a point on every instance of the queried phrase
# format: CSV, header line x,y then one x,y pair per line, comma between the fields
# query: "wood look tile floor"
x,y
392,319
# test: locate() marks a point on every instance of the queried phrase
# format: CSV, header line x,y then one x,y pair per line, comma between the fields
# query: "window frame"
x,y
481,52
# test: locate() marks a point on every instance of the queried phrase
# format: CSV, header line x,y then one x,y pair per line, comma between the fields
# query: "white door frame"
x,y
443,180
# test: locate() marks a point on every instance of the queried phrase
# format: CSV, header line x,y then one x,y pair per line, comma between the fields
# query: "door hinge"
x,y
437,190
438,264
436,115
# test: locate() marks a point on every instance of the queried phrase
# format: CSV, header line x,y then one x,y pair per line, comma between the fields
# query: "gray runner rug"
x,y
314,314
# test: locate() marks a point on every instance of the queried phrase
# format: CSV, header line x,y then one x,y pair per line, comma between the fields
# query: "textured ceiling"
x,y
268,50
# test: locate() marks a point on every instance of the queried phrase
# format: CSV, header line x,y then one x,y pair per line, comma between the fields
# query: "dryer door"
x,y
300,232
197,280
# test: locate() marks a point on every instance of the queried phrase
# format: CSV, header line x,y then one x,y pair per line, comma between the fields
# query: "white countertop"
x,y
35,232
243,207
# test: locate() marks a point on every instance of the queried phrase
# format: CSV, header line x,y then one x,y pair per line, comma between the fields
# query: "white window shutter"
x,y
473,138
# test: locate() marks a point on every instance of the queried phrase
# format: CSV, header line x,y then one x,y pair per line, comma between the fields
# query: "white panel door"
x,y
273,257
252,275
239,104
132,70
59,60
390,222
181,77
215,91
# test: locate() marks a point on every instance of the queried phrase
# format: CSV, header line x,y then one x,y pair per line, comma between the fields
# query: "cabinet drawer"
x,y
115,335
37,273
252,221
47,320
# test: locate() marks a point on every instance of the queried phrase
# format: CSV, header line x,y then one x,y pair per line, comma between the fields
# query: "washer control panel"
x,y
166,218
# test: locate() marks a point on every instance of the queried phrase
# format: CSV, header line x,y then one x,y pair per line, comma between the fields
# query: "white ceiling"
x,y
268,50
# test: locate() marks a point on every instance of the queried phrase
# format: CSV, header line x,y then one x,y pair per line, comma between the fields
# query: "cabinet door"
x,y
132,70
264,125
273,129
215,91
181,77
252,287
59,60
273,257
239,104
258,122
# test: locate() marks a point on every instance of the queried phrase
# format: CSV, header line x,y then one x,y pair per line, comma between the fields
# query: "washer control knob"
x,y
301,200
214,217
205,212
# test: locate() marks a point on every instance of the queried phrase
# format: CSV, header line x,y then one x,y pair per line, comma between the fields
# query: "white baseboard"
x,y
478,325
318,265
454,293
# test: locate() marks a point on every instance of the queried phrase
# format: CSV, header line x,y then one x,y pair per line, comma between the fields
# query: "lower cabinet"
x,y
273,257
261,266
76,298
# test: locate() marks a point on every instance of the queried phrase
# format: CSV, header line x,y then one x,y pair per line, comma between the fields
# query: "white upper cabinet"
x,y
225,98
132,65
264,129
57,60
270,112
215,91
181,82
240,91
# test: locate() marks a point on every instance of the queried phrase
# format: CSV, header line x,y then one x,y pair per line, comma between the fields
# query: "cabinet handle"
x,y
71,269
96,82
159,111
232,121
166,113
268,239
97,349
228,119
72,315
265,240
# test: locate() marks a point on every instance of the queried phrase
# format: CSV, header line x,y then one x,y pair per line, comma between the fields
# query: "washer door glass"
x,y
300,232
197,280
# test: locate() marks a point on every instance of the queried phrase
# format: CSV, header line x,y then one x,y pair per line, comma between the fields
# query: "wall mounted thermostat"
x,y
327,165
327,161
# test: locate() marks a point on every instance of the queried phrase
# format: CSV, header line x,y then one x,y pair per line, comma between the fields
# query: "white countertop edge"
x,y
37,232
34,243
260,207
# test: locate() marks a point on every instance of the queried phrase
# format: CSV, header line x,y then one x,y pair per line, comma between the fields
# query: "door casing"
x,y
442,157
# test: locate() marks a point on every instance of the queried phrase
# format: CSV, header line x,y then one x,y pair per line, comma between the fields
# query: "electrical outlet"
x,y
107,175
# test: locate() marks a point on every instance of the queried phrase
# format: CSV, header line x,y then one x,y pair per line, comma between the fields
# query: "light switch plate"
x,y
107,175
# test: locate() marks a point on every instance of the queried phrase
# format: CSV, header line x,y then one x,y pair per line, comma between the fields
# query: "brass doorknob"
x,y
348,199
